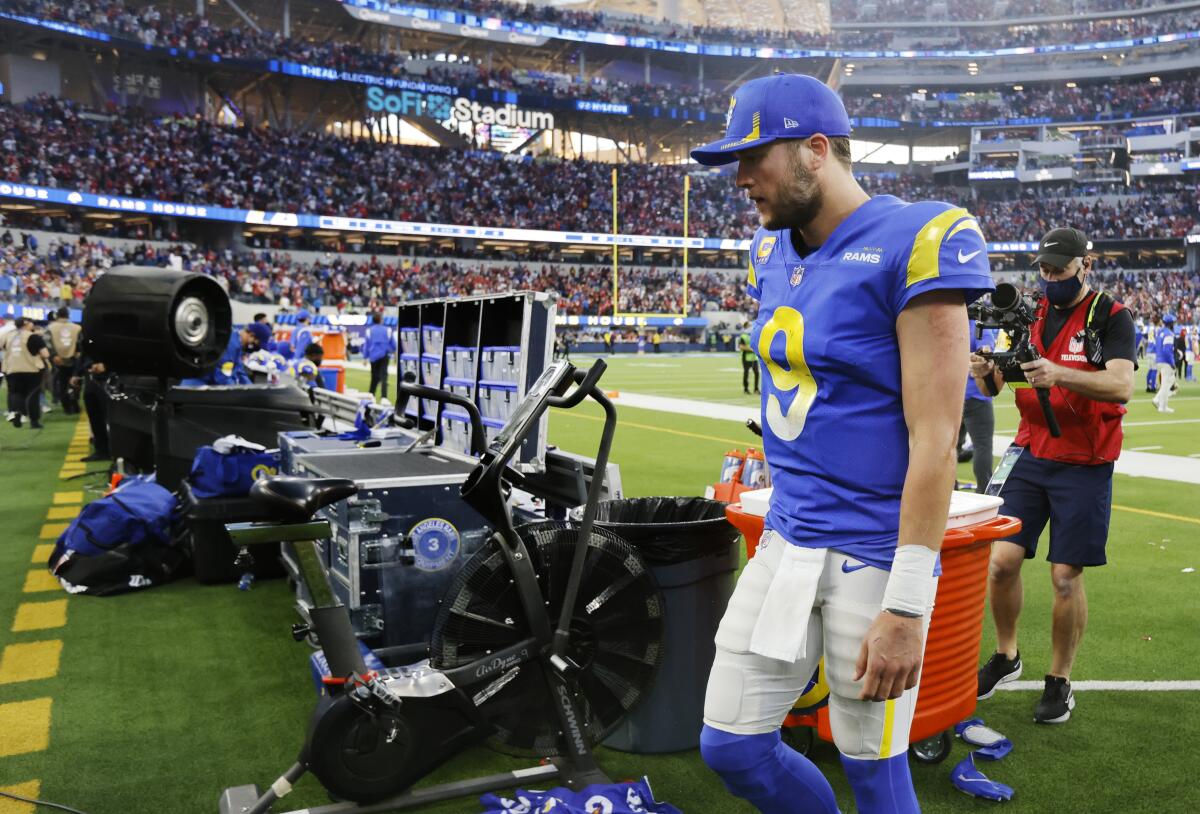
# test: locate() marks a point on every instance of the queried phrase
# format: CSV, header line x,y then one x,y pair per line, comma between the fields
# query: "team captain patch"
x,y
764,248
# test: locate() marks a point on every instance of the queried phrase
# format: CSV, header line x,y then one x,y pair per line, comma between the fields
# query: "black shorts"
x,y
1077,500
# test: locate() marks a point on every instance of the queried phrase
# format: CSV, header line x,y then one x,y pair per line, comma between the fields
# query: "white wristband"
x,y
912,584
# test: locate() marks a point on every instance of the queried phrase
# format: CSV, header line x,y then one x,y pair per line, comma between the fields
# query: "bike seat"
x,y
300,498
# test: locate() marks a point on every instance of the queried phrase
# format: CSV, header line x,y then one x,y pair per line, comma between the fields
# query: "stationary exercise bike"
x,y
545,640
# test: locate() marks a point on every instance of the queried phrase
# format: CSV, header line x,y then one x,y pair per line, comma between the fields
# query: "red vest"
x,y
1091,430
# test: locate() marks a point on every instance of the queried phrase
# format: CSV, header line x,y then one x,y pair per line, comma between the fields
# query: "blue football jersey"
x,y
833,423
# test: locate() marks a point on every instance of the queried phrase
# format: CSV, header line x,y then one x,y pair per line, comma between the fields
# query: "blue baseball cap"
x,y
782,106
261,332
302,315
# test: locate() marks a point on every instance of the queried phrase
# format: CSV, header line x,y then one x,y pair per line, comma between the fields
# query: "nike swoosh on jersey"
x,y
962,258
847,568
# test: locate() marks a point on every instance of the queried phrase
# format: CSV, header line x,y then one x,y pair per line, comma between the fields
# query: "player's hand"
x,y
1042,373
889,661
981,368
74,382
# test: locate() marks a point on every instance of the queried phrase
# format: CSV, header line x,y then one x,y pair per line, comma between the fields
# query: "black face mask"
x,y
1061,292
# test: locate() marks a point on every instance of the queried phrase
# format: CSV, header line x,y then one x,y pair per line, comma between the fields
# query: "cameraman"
x,y
1066,480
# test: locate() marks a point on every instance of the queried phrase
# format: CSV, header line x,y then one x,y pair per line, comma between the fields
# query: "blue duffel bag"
x,y
232,473
122,542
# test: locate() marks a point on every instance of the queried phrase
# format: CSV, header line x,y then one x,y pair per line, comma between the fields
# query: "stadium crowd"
x,y
151,25
64,273
976,10
54,143
1092,101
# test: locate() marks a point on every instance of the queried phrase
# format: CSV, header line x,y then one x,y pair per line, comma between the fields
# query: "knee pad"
x,y
760,769
882,786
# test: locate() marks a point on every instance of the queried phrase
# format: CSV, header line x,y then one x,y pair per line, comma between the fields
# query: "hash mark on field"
x,y
63,498
31,790
1145,449
40,615
42,552
30,661
50,531
26,725
62,512
40,581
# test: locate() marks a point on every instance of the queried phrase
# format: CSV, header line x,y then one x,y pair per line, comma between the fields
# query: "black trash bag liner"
x,y
669,530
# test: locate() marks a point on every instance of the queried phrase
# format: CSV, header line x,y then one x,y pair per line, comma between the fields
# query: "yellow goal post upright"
x,y
617,313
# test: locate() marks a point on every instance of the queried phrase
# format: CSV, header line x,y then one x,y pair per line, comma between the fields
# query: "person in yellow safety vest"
x,y
62,338
25,359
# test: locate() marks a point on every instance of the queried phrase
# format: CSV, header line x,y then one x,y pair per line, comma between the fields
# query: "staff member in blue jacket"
x,y
979,419
229,369
377,350
301,337
1164,357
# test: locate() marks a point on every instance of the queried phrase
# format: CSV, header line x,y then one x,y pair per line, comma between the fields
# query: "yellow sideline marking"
x,y
41,553
37,582
1163,515
40,615
63,512
62,498
50,531
666,430
26,726
31,789
30,661
66,473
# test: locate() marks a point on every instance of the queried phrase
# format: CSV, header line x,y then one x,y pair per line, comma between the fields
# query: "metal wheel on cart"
x,y
800,738
933,749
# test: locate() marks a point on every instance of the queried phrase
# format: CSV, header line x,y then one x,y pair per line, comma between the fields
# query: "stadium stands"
x,y
741,23
51,142
67,269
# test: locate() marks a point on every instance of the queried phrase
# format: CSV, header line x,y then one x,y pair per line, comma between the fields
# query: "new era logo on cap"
x,y
781,106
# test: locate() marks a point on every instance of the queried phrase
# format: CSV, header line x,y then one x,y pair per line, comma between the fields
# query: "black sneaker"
x,y
95,456
999,670
1057,702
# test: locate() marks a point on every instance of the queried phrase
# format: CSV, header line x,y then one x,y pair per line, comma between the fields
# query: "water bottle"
x,y
754,473
731,469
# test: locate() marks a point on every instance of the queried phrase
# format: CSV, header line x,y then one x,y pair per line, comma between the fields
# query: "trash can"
x,y
692,552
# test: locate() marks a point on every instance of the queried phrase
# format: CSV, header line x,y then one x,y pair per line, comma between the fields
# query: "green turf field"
x,y
161,699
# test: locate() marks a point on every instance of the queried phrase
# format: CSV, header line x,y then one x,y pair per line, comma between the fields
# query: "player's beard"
x,y
800,199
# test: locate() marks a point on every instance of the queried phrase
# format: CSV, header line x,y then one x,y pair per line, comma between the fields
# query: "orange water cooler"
x,y
948,682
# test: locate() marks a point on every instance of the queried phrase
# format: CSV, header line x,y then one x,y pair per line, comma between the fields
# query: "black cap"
x,y
1060,246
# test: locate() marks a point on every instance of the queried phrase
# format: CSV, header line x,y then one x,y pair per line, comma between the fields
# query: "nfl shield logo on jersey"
x,y
797,275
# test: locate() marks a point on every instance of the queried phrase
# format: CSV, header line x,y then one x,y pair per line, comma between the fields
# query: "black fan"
x,y
617,633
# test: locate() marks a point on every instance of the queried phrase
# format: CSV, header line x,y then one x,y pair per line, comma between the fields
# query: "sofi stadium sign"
x,y
458,110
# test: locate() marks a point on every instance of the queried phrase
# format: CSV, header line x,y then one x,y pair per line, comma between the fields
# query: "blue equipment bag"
x,y
230,474
122,542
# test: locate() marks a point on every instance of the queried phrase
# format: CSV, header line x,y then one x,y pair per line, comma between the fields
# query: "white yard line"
x,y
1133,463
1110,686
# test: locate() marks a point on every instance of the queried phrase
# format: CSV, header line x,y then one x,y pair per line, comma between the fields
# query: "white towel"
x,y
782,625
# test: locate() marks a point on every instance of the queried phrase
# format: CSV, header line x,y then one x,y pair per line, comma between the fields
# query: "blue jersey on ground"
x,y
1164,346
833,423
